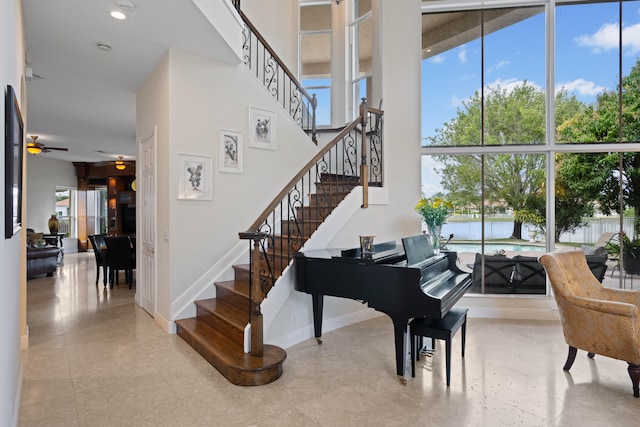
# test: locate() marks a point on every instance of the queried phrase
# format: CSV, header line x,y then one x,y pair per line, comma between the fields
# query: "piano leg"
x,y
317,301
400,333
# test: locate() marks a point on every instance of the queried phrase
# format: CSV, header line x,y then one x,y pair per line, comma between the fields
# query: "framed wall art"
x,y
262,128
13,144
194,177
230,151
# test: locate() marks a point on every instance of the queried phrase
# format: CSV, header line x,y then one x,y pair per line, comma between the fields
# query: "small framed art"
x,y
262,128
194,177
230,151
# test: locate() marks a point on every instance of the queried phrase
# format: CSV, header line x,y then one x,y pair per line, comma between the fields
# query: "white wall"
x,y
202,232
277,21
152,108
43,176
12,253
206,96
201,107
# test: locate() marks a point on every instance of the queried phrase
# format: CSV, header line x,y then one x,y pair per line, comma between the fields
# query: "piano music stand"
x,y
442,329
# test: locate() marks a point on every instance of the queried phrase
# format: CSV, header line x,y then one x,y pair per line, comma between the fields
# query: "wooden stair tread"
x,y
217,333
237,286
230,313
229,358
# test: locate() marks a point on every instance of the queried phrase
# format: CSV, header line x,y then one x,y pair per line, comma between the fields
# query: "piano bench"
x,y
442,329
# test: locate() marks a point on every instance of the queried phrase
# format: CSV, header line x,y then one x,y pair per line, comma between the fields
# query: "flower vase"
x,y
435,237
53,225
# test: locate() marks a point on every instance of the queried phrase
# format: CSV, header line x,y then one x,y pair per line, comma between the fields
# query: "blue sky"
x,y
586,58
586,63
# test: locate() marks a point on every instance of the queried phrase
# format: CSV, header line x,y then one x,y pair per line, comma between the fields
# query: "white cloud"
x,y
430,176
438,59
581,87
508,84
462,55
606,38
497,66
631,39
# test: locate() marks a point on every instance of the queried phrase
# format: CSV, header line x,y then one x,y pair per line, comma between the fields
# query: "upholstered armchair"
x,y
596,319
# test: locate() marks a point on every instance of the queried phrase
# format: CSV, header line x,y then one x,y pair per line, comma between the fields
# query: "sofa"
x,y
42,261
521,274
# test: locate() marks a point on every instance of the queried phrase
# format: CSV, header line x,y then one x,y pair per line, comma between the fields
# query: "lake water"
x,y
490,248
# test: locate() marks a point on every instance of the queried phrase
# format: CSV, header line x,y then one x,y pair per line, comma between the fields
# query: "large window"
x,y
360,49
523,136
66,211
315,56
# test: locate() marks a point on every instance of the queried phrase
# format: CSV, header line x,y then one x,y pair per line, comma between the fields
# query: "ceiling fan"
x,y
120,164
34,147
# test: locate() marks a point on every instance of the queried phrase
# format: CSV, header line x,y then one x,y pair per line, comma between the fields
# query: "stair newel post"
x,y
364,168
256,294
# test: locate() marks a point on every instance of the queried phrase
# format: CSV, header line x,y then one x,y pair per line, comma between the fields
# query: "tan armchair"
x,y
595,319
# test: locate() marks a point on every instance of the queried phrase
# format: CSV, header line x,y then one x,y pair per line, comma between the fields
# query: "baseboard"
x,y
510,307
165,324
328,325
24,340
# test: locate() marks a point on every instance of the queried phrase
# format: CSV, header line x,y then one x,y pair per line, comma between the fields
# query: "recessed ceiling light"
x,y
122,8
103,46
118,14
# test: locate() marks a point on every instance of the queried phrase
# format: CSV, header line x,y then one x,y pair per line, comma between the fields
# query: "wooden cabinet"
x,y
121,198
122,205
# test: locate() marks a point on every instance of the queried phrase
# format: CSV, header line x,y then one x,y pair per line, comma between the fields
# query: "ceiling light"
x,y
33,148
120,165
103,46
117,14
122,8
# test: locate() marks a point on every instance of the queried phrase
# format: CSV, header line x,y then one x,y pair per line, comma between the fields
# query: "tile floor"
x,y
96,359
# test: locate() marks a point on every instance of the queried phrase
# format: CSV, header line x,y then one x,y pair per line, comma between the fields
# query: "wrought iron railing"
x,y
352,158
277,78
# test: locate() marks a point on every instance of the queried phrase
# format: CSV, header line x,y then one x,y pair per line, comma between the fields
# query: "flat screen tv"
x,y
13,138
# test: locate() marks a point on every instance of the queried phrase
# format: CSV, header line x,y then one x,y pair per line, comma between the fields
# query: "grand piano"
x,y
403,281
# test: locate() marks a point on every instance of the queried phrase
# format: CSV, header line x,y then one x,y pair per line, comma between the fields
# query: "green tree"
x,y
599,176
513,116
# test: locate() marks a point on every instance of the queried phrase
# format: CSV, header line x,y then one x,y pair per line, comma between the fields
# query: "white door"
x,y
146,228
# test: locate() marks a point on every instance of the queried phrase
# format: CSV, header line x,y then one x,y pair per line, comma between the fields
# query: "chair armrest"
x,y
620,295
605,306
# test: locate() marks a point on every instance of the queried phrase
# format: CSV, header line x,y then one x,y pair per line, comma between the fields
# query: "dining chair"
x,y
102,258
120,259
132,241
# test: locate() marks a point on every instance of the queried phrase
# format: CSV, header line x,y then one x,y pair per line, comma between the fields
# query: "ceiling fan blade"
x,y
55,148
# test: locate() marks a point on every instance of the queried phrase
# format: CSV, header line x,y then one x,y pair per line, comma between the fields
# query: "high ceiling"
x,y
82,97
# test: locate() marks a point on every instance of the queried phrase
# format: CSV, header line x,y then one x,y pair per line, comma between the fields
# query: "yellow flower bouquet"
x,y
434,213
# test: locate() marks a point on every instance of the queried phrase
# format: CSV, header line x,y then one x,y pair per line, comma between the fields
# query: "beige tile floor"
x,y
96,359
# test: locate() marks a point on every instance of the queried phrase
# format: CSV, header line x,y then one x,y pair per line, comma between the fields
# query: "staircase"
x,y
217,331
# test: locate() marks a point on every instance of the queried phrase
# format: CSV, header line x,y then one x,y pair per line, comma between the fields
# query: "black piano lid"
x,y
418,248
387,252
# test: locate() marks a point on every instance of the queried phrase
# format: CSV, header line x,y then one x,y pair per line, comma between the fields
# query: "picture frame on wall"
x,y
262,128
230,154
194,177
13,152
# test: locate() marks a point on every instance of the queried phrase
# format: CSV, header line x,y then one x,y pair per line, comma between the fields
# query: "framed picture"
x,y
194,177
13,142
230,151
262,128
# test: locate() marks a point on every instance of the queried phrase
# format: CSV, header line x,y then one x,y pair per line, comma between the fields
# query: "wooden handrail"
x,y
274,55
276,201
